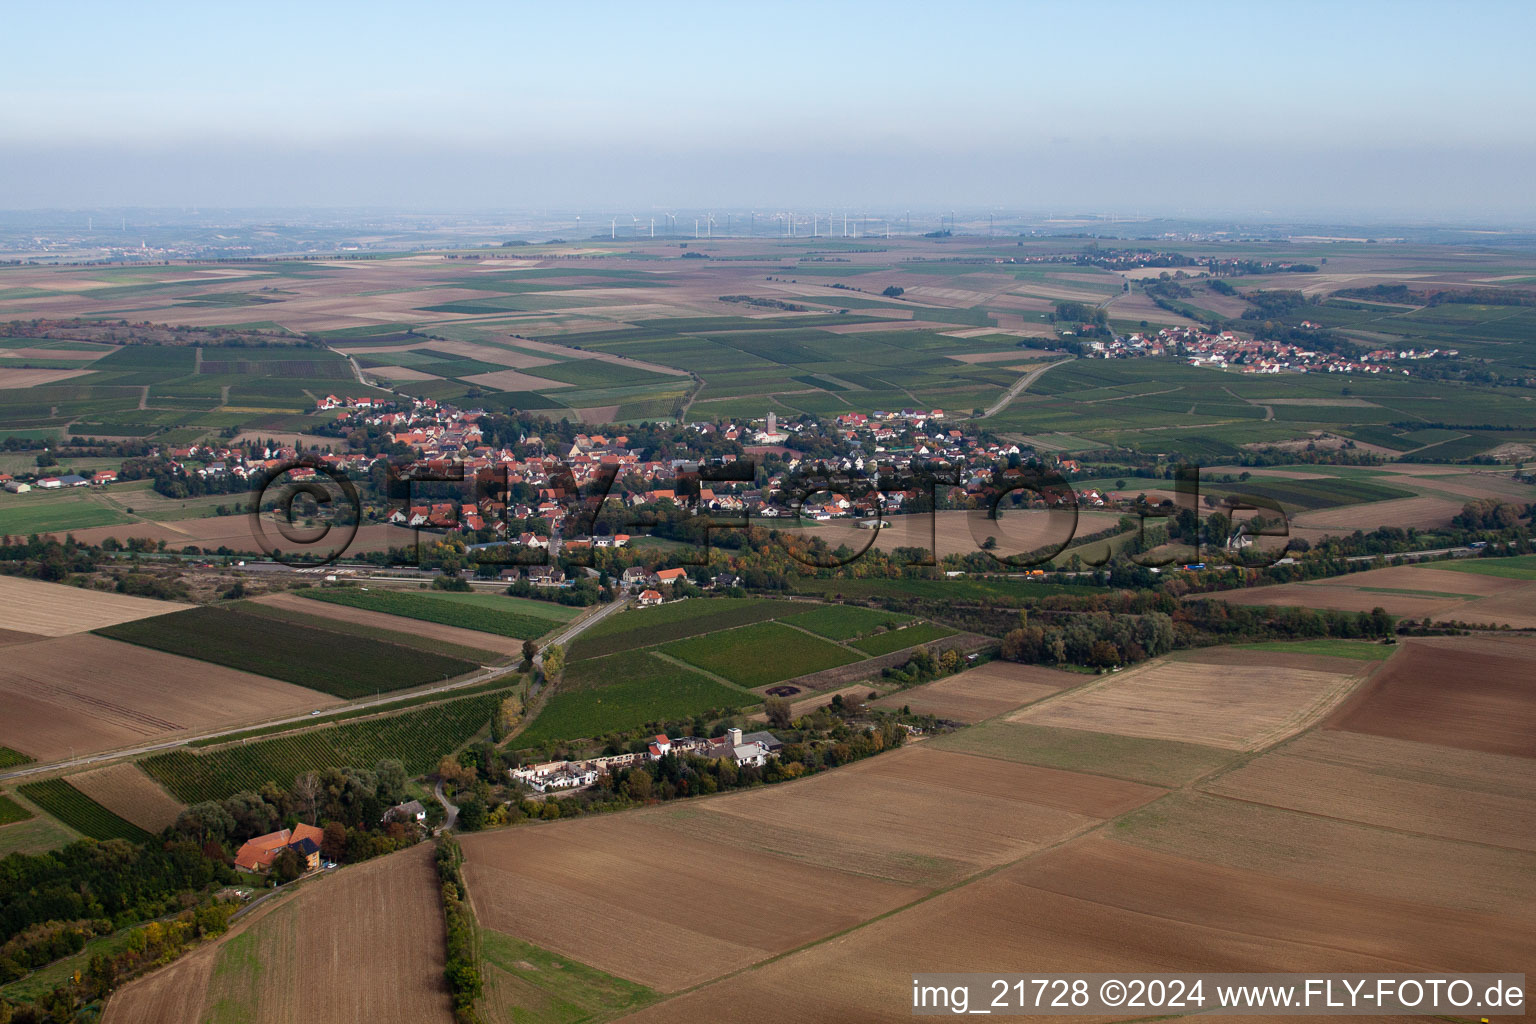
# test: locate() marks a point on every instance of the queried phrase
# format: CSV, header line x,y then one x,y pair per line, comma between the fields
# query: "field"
x,y
485,613
900,639
59,703
80,812
1521,567
366,944
622,691
530,985
636,627
50,609
1233,701
845,622
417,738
1442,591
982,692
130,794
1156,762
345,666
802,860
759,654
12,812
463,644
1469,693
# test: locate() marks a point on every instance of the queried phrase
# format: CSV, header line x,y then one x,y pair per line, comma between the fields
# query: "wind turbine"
x,y
815,220
613,228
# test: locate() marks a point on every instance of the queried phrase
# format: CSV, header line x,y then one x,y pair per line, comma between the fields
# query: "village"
x,y
750,749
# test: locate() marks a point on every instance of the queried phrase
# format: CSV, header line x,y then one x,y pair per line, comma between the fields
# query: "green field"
x,y
11,811
417,738
1160,762
759,654
486,613
80,812
11,758
844,622
625,691
1518,567
530,985
1356,649
55,512
897,639
335,663
474,655
644,627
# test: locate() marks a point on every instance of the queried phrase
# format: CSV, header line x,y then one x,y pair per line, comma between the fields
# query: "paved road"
x,y
1017,389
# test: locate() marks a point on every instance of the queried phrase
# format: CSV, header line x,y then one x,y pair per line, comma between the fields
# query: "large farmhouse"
x,y
259,853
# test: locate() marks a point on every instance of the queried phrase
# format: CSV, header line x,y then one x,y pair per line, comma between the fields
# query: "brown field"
x,y
1239,707
1328,773
591,889
400,373
1098,905
18,377
127,792
1423,511
12,636
364,943
1476,693
1016,532
398,623
918,815
52,609
979,693
1342,598
1380,862
1429,579
514,380
60,701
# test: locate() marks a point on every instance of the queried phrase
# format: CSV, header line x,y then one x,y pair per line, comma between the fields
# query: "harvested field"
x,y
992,689
1432,581
400,373
514,380
1380,863
18,377
1098,905
1423,511
363,944
1159,762
1016,531
1475,693
1240,707
470,638
1341,598
572,887
130,794
59,704
52,609
1390,784
918,815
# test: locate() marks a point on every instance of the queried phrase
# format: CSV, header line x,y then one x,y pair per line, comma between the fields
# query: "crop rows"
x,y
11,758
334,663
416,738
80,812
431,609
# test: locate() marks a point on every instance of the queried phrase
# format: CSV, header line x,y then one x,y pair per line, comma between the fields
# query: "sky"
x,y
1402,111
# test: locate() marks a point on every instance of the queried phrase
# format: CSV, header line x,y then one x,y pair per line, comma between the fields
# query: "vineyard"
x,y
334,663
416,738
442,609
11,811
11,758
80,812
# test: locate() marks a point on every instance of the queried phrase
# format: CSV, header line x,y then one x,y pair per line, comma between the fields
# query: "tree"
x,y
554,660
638,785
391,777
306,788
529,650
333,842
472,813
206,820
777,710
287,865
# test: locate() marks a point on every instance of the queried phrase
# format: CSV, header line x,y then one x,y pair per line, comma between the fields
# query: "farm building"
x,y
411,810
259,853
649,597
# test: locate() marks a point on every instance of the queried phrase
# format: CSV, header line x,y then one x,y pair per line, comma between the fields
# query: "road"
x,y
569,633
1017,389
452,809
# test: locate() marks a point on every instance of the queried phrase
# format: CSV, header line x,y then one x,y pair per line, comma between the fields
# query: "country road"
x,y
1017,389
569,633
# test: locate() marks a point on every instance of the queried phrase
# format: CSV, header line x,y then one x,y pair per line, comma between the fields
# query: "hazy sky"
x,y
1367,110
